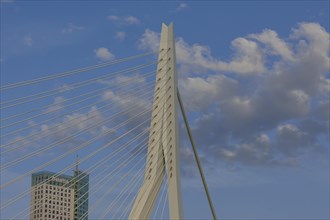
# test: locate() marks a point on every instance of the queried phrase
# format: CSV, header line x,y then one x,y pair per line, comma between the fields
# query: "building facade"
x,y
60,197
81,188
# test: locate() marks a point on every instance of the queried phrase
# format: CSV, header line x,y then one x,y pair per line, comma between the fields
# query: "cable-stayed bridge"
x,y
120,117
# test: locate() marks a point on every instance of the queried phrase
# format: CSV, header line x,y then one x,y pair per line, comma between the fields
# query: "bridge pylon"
x,y
163,146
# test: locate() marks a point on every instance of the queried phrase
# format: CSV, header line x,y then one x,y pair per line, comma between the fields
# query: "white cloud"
x,y
124,20
238,116
313,43
65,87
200,93
104,54
120,35
282,129
149,41
248,57
108,95
276,45
255,152
292,141
45,134
126,81
131,95
255,120
300,96
182,6
129,98
57,105
131,20
315,34
130,104
129,101
72,28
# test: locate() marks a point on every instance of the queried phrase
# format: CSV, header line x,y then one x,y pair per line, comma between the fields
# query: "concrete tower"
x,y
163,148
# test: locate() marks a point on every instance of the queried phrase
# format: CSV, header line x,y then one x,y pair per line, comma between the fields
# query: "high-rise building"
x,y
61,197
81,187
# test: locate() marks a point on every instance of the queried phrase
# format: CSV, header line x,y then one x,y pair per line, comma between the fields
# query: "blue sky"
x,y
254,78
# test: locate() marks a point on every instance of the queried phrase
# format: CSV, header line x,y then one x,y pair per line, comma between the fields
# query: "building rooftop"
x,y
48,173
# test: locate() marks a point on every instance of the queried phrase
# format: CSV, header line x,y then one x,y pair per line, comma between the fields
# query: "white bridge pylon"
x,y
163,147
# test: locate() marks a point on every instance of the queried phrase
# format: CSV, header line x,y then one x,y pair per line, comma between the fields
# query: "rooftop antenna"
x,y
77,163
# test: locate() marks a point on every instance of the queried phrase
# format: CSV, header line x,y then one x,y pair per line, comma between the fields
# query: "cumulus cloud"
x,y
104,54
314,40
149,40
290,89
254,152
274,44
124,20
244,108
247,59
291,139
200,92
268,83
